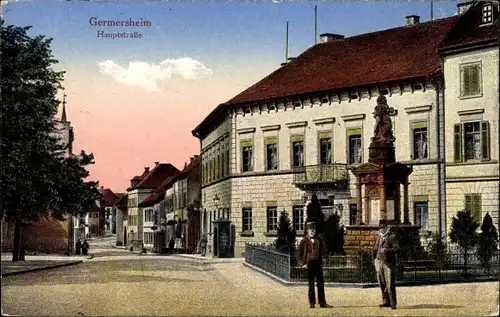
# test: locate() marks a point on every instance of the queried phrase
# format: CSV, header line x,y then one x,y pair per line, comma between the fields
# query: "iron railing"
x,y
331,173
359,268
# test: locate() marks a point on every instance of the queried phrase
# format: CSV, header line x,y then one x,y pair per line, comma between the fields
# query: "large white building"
x,y
301,129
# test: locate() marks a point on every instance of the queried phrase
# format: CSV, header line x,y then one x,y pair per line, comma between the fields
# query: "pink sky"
x,y
128,128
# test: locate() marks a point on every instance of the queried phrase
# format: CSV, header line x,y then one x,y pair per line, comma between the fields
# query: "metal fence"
x,y
359,268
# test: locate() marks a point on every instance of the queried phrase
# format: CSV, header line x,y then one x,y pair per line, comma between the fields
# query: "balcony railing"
x,y
331,173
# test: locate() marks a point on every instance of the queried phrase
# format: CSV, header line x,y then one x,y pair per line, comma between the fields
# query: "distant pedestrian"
x,y
312,249
385,264
171,245
78,247
203,244
85,247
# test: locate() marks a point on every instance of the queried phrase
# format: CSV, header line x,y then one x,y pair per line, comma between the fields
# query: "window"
x,y
352,214
272,219
473,204
247,156
222,163
247,219
217,167
487,13
472,141
297,151
148,215
470,80
354,143
148,238
227,162
325,149
421,215
420,140
298,218
271,154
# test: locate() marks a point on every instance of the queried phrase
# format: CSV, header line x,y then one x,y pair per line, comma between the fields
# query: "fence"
x,y
359,268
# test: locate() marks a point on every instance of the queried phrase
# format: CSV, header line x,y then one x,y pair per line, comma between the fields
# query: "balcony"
x,y
332,174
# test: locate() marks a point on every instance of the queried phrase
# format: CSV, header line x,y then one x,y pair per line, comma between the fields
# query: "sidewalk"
x,y
15,268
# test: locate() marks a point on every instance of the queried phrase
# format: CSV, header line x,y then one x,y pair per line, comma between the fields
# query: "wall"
x,y
480,177
45,236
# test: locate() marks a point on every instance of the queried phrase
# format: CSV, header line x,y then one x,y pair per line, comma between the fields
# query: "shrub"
x,y
285,242
487,241
334,235
463,232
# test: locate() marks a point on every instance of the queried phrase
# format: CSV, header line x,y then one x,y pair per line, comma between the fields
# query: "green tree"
x,y
488,241
34,173
464,233
334,235
285,242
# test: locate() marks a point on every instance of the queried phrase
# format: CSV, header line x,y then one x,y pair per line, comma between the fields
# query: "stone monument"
x,y
381,178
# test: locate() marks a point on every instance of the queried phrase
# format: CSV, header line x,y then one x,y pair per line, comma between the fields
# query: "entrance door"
x,y
125,236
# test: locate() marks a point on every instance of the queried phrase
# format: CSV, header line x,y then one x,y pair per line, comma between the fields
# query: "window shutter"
x,y
457,142
465,81
477,207
468,202
485,139
474,80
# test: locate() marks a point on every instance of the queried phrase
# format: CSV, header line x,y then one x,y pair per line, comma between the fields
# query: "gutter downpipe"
x,y
440,102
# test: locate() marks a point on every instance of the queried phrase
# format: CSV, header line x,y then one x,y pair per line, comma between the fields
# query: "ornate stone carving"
x,y
381,149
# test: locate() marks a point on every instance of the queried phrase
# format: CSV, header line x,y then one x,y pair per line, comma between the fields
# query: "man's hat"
x,y
382,223
310,225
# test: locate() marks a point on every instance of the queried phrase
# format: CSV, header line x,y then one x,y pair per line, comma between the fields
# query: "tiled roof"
x,y
469,31
386,56
108,197
156,176
122,201
159,193
372,58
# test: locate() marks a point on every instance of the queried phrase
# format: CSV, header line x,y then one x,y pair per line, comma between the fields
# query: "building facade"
x,y
271,147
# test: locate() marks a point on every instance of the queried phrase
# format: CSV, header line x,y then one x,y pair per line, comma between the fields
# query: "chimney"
x,y
156,163
463,6
412,20
185,164
291,59
146,169
328,37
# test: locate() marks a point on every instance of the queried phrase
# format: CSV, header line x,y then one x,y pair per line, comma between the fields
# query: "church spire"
x,y
63,116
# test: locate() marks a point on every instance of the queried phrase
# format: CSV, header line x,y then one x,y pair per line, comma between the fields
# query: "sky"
x,y
134,101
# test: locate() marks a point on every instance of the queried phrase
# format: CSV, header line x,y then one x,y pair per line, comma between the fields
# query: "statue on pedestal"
x,y
383,126
381,149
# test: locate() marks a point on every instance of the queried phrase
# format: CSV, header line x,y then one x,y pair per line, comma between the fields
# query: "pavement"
x,y
167,286
113,283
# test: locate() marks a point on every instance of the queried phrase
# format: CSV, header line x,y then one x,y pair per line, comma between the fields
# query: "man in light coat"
x,y
385,264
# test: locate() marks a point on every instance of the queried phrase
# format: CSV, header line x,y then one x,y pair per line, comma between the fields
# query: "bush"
x,y
437,249
334,235
367,272
487,242
285,242
463,232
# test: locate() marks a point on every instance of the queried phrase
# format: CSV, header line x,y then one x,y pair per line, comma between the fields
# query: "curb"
x,y
42,268
372,285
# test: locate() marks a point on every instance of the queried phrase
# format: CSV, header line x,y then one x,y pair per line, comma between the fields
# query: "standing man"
x,y
311,249
385,264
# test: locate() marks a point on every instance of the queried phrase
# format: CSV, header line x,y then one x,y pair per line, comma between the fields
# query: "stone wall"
x,y
45,236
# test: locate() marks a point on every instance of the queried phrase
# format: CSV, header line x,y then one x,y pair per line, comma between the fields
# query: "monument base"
x,y
381,153
362,237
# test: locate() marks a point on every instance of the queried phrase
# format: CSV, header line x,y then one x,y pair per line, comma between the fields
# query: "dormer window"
x,y
487,13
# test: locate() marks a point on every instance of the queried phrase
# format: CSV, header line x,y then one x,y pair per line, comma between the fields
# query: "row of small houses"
x,y
161,209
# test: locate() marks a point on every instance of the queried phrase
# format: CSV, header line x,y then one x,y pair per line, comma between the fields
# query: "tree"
x,y
285,242
316,215
463,232
488,241
34,173
334,235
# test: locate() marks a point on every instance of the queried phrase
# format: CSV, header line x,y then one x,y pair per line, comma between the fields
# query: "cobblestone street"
x,y
172,286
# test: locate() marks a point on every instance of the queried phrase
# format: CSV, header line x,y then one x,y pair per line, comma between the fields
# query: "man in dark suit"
x,y
311,250
385,264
